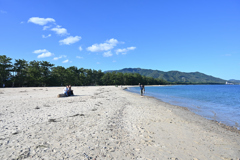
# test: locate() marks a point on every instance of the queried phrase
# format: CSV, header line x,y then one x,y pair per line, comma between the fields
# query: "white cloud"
x,y
46,27
22,22
56,58
40,21
49,35
79,57
98,62
107,54
131,48
60,31
112,41
70,40
124,50
65,61
80,48
43,55
2,11
40,51
108,45
114,61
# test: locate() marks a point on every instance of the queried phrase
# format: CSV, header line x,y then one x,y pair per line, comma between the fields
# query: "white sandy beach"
x,y
106,123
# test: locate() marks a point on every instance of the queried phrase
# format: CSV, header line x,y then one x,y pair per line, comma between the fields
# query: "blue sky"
x,y
186,35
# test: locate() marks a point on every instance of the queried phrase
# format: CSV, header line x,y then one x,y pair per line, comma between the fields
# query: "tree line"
x,y
42,73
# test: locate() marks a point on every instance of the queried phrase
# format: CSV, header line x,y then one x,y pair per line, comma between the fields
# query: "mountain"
x,y
234,81
173,76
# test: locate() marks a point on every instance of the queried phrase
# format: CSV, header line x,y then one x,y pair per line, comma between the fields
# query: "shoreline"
x,y
228,127
105,122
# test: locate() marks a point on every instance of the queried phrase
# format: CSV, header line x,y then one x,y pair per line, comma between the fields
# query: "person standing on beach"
x,y
142,88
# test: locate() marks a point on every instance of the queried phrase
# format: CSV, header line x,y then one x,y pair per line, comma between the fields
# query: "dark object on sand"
x,y
61,95
52,120
37,107
75,115
64,95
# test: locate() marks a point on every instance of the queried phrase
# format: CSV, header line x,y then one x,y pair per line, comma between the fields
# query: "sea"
x,y
215,102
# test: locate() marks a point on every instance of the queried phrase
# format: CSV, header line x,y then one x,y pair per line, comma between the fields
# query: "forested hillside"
x,y
174,76
20,73
43,73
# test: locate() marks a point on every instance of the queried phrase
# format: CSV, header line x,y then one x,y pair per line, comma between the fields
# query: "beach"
x,y
106,122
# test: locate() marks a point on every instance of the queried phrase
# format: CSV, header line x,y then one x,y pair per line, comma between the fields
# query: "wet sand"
x,y
106,123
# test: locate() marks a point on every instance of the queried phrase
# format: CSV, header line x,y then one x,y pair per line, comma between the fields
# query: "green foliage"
x,y
5,68
59,76
45,69
20,68
34,74
72,75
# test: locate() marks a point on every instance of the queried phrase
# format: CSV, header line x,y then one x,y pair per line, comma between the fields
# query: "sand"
x,y
106,123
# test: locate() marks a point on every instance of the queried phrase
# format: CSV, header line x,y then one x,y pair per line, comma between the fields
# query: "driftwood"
x,y
64,95
61,95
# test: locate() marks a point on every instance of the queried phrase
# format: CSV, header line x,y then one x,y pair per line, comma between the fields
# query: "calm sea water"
x,y
215,102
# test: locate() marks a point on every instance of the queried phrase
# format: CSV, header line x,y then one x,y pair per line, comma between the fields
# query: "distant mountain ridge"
x,y
234,81
173,76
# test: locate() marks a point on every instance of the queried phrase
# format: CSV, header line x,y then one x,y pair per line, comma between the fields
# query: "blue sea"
x,y
215,102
